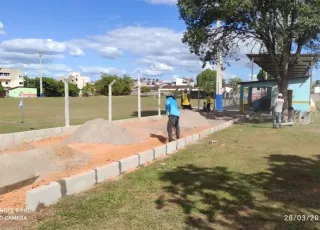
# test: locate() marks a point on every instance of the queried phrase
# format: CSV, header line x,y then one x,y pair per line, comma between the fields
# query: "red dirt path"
x,y
101,154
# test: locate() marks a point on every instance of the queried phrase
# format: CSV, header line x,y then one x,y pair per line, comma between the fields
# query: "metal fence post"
x,y
110,99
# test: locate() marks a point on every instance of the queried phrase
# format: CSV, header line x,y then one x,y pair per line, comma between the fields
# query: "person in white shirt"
x,y
277,111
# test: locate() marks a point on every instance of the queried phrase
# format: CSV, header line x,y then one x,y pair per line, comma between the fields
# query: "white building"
x,y
183,82
11,78
77,79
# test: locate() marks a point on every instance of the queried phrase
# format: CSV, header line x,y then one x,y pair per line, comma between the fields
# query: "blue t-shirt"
x,y
172,107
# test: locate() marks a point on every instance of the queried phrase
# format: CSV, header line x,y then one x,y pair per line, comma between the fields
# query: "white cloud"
x,y
33,70
1,29
104,50
47,46
97,70
15,57
110,52
162,2
155,69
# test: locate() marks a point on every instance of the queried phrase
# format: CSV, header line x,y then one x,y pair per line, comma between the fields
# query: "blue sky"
x,y
116,37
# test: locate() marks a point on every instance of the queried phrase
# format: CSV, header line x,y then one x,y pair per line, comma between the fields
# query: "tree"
x,y
1,88
122,86
261,75
233,83
145,89
206,80
88,89
283,28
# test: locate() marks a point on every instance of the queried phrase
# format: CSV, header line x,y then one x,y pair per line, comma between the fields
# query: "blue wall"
x,y
300,93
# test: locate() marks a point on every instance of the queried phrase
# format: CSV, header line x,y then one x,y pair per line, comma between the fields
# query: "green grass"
x,y
251,179
49,112
40,113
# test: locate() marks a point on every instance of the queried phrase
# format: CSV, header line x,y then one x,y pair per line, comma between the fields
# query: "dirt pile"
x,y
100,131
190,119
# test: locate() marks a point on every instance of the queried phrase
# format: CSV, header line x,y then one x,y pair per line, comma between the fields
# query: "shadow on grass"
x,y
215,197
147,113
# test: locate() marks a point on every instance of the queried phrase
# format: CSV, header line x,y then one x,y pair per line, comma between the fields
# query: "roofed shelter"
x,y
299,84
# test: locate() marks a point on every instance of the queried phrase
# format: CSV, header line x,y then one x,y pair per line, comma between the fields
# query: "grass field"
x,y
42,113
251,179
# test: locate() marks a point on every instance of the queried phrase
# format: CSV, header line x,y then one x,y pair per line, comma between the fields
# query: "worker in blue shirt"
x,y
174,115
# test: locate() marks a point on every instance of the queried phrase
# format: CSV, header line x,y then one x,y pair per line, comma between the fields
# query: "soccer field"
x,y
42,113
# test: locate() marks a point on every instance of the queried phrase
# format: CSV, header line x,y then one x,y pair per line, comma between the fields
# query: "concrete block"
x,y
30,135
46,195
171,147
160,151
107,171
77,183
146,157
189,140
58,130
40,133
6,140
196,137
204,133
50,132
128,163
18,137
181,143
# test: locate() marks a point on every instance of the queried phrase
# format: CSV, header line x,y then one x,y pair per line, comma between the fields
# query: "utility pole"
x,y
219,99
41,91
66,101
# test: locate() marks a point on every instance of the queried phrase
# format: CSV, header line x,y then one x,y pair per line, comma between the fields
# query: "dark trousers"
x,y
208,107
186,107
173,122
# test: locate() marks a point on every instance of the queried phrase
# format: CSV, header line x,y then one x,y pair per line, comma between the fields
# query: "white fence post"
x,y
110,99
139,96
66,102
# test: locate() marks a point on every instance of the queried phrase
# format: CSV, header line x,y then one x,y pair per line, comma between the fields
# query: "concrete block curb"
x,y
107,171
171,147
160,151
181,143
204,134
47,195
189,140
128,163
6,140
196,137
51,193
77,183
146,157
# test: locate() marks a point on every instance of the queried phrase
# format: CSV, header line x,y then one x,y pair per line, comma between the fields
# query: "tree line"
x,y
55,88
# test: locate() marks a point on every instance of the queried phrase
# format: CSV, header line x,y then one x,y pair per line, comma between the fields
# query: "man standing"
x,y
209,102
173,114
277,111
185,100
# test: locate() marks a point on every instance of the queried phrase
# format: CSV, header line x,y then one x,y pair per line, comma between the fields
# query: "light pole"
x,y
219,102
41,90
110,99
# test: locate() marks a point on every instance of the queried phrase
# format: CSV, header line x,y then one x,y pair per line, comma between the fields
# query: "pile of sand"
x,y
100,131
190,119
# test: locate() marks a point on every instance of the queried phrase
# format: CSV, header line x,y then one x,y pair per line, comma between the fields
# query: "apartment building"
x,y
11,78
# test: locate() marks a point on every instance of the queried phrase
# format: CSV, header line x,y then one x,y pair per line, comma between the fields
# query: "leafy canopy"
x,y
206,80
280,27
